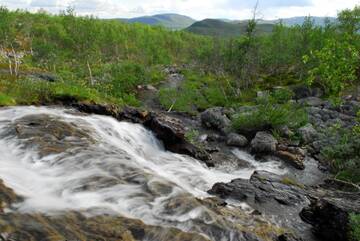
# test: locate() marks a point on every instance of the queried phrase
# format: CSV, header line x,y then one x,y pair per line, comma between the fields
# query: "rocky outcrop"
x,y
215,118
269,194
330,213
263,143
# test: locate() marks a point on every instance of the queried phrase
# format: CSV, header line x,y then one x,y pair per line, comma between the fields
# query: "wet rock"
x,y
261,188
330,216
296,161
263,143
172,132
7,197
236,140
269,194
50,135
307,133
215,118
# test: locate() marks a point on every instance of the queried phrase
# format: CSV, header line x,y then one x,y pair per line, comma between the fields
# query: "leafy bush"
x,y
336,65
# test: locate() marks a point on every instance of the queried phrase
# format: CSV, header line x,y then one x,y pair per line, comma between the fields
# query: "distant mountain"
x,y
171,21
318,21
215,27
231,28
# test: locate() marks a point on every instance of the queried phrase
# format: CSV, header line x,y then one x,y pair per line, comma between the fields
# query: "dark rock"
x,y
172,132
236,140
44,76
263,143
330,216
215,118
288,237
301,92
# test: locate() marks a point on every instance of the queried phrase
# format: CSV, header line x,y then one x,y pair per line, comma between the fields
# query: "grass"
x,y
270,116
291,182
6,100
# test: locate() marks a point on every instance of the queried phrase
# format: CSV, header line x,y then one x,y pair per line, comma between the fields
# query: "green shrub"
x,y
268,115
355,227
335,65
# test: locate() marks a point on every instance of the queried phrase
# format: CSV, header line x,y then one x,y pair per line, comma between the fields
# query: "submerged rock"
x,y
49,134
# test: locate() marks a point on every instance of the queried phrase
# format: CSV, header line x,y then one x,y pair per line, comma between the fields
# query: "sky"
x,y
197,9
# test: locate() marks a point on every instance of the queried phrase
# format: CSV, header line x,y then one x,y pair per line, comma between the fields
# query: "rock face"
x,y
215,118
171,131
307,133
269,194
329,215
236,140
263,143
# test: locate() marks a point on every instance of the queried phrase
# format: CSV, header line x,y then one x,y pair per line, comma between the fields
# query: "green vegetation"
x,y
343,152
272,111
291,182
355,227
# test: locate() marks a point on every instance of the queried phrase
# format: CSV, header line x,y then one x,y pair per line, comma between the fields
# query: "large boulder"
x,y
269,194
263,143
330,216
236,140
215,118
307,133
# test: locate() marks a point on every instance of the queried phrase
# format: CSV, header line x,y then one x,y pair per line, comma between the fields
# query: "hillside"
x,y
214,27
171,21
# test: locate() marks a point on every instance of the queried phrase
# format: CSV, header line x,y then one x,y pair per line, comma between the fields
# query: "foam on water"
x,y
126,171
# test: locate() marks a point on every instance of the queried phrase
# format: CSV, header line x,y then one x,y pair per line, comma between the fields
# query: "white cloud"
x,y
199,9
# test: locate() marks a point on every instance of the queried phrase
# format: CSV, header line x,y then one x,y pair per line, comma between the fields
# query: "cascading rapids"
x,y
125,170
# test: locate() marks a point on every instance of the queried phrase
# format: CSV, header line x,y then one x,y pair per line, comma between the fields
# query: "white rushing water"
x,y
126,171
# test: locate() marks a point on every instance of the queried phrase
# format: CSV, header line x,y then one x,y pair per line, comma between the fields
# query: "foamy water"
x,y
126,171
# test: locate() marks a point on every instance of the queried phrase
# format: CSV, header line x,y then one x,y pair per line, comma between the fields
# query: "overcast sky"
x,y
198,9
